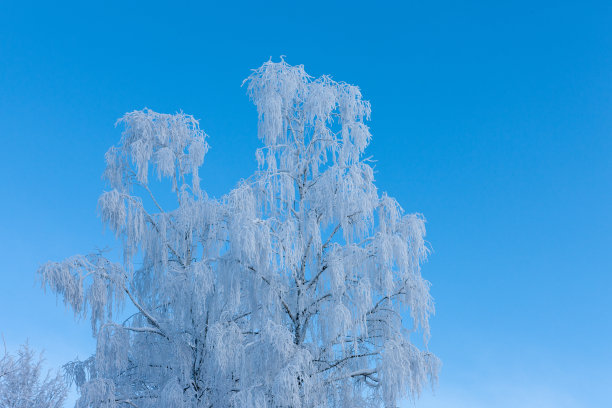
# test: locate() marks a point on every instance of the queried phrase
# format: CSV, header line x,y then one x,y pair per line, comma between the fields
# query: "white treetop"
x,y
299,288
22,384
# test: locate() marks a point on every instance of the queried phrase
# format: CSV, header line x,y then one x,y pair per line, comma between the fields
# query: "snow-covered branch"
x,y
293,286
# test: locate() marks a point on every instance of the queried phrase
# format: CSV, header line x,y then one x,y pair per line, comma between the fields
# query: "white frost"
x,y
289,291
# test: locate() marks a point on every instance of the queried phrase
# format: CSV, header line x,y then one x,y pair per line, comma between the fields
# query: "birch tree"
x,y
22,384
301,287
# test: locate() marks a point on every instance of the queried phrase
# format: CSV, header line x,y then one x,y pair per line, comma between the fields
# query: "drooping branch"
x,y
149,317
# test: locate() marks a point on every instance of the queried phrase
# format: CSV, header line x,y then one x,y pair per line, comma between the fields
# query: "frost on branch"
x,y
23,385
301,287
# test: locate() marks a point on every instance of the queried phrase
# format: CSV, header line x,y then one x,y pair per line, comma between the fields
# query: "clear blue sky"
x,y
493,119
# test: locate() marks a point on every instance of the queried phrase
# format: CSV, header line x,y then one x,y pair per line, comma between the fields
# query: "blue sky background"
x,y
493,119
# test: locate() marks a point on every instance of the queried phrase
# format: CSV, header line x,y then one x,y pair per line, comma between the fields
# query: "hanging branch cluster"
x,y
299,288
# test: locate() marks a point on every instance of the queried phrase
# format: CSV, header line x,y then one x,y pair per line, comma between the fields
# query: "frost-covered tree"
x,y
22,384
299,288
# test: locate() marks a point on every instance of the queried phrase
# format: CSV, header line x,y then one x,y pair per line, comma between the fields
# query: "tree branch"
x,y
150,318
345,359
284,304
